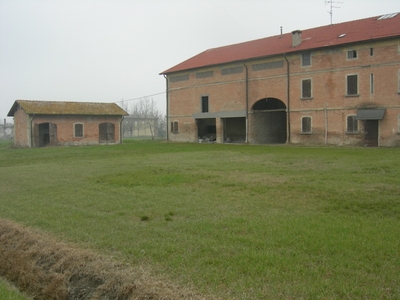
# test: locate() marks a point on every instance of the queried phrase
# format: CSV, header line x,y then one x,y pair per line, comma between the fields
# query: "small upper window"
x,y
351,54
78,130
306,59
371,51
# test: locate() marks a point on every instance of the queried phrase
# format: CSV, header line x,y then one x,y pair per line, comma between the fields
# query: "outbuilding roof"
x,y
379,27
66,108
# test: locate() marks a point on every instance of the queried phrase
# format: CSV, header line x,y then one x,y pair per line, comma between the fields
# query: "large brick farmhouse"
x,y
53,123
337,84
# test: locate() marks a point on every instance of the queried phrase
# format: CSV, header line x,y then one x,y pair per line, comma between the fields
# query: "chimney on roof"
x,y
296,38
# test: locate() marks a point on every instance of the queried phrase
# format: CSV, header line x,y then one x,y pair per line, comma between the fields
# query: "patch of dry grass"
x,y
48,269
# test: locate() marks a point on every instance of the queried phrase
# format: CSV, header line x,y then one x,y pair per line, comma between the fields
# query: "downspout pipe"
x,y
247,103
287,97
167,104
31,130
121,134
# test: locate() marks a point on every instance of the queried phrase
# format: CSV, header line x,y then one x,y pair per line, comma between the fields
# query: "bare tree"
x,y
144,115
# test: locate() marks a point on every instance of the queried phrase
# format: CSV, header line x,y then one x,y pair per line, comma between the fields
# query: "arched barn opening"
x,y
268,122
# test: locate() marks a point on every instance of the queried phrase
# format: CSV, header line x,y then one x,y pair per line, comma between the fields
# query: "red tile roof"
x,y
373,28
67,108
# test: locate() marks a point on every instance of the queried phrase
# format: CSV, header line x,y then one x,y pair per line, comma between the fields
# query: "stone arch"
x,y
268,122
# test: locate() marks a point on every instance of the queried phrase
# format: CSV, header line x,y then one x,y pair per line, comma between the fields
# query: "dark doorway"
x,y
371,133
106,133
45,134
206,130
268,124
234,130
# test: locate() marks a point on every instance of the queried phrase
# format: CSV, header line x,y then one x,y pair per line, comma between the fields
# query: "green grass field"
x,y
8,292
244,222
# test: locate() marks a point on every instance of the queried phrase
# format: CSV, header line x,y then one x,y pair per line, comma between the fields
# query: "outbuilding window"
x,y
306,124
78,130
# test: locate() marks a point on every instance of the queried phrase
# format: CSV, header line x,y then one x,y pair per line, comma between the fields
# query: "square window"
x,y
306,59
204,104
306,88
351,54
352,85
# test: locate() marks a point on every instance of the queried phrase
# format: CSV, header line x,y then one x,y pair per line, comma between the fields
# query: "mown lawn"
x,y
245,222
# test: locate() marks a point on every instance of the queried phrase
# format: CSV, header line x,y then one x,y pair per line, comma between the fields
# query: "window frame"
x,y
205,103
352,54
174,127
82,130
352,129
398,124
398,81
306,54
371,83
302,125
347,85
303,96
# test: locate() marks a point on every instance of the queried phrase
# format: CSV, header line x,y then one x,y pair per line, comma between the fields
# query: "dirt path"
x,y
48,269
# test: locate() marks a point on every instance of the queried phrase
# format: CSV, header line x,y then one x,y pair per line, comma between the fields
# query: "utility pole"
x,y
330,2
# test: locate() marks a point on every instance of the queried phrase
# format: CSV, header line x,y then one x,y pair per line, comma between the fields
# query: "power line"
x,y
138,98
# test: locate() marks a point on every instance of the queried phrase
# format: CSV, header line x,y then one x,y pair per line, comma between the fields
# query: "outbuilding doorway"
x,y
106,133
268,122
45,134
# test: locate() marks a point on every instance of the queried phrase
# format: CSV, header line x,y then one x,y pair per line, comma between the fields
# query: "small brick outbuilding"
x,y
56,123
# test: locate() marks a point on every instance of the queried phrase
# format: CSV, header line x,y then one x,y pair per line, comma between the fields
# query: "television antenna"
x,y
331,4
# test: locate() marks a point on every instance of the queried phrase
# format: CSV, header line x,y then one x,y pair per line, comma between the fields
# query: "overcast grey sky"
x,y
109,50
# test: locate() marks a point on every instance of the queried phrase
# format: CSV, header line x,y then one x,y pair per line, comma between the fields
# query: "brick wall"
x,y
65,134
329,105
